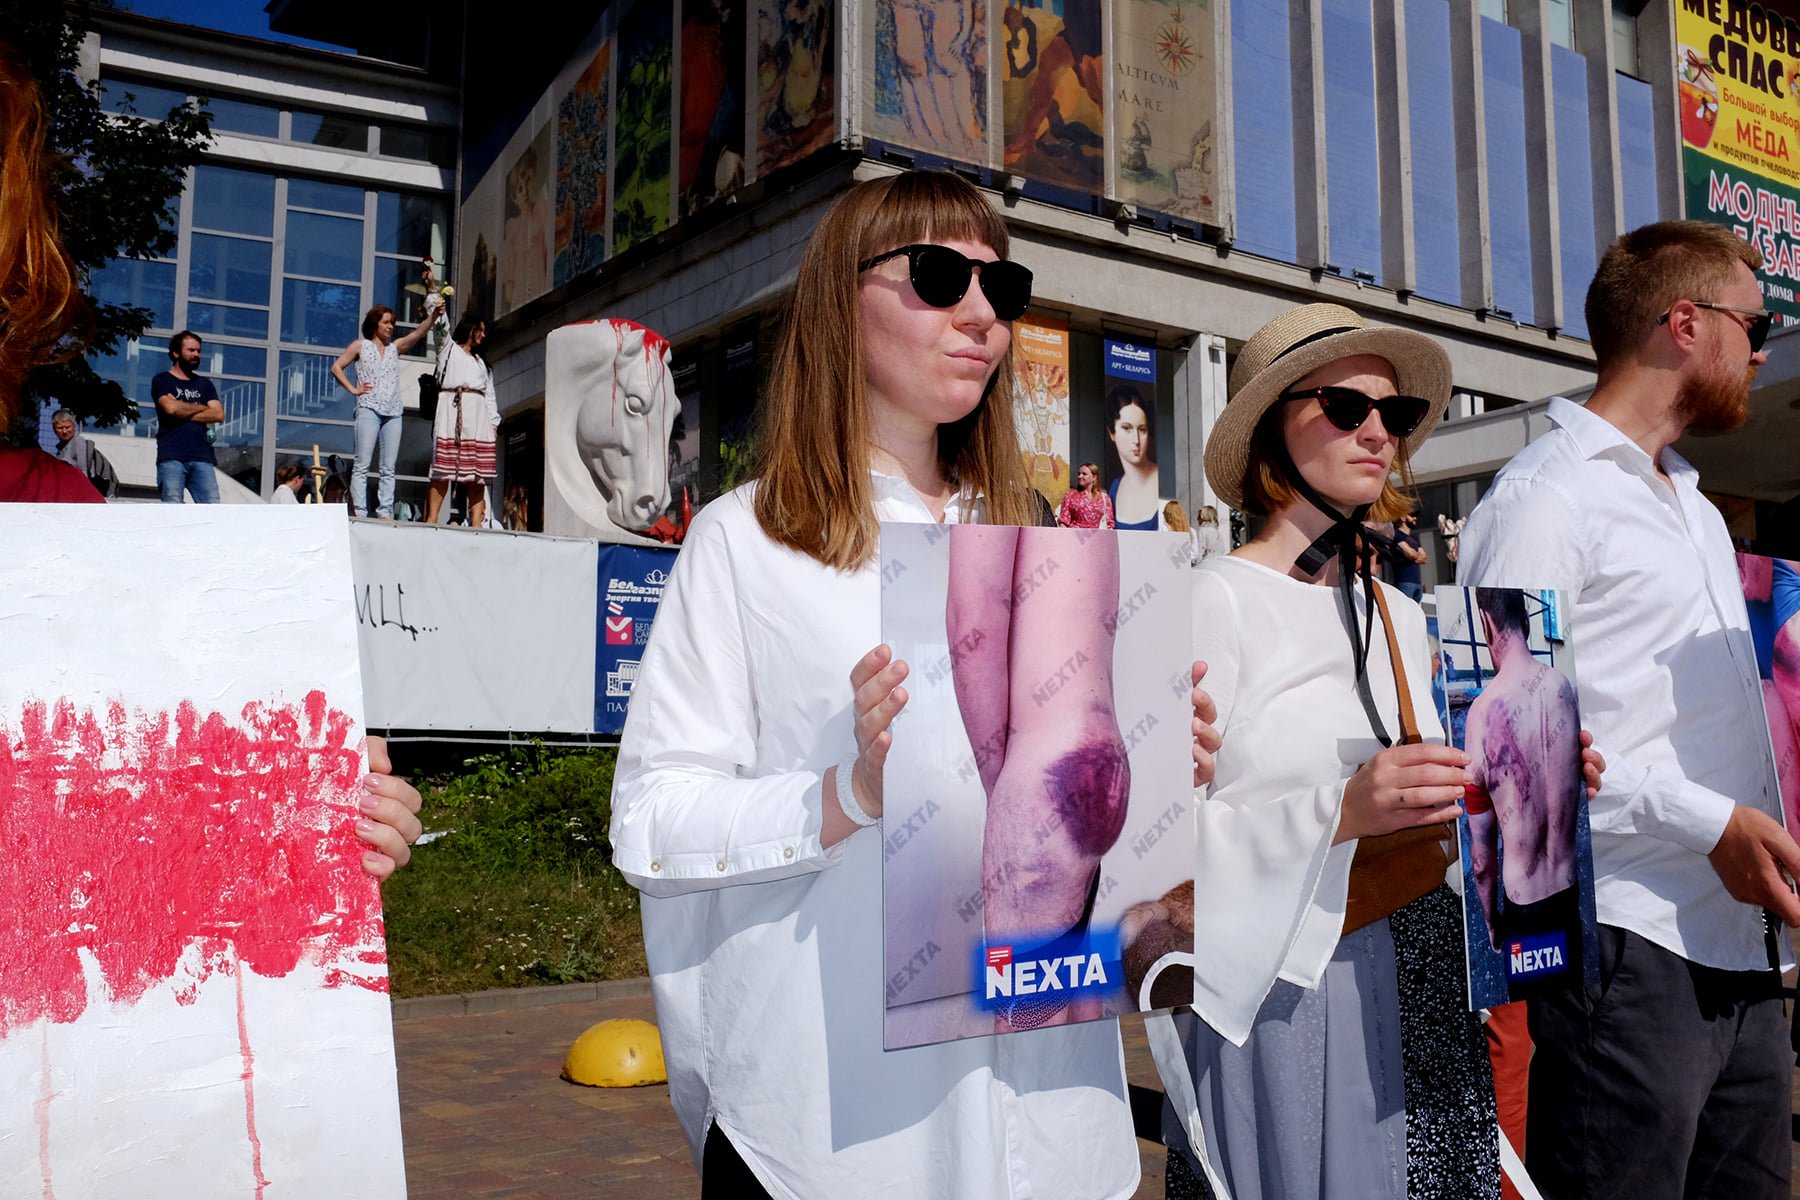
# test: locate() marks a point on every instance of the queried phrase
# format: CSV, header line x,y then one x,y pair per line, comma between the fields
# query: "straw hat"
x,y
1293,346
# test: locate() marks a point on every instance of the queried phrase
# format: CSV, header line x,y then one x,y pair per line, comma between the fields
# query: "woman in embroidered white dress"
x,y
752,757
462,430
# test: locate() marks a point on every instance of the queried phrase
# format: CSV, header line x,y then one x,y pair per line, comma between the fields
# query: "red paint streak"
x,y
137,835
41,1110
249,1090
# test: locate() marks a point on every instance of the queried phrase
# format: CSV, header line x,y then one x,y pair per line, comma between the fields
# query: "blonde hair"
x,y
1209,515
1267,490
40,298
1096,489
813,492
1175,516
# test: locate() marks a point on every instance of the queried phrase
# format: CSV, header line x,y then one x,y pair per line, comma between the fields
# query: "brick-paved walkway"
x,y
487,1118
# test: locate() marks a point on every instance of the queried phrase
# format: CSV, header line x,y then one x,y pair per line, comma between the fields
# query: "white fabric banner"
x,y
475,629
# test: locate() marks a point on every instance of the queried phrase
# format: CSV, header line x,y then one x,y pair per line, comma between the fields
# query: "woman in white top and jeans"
x,y
378,404
1336,1056
752,758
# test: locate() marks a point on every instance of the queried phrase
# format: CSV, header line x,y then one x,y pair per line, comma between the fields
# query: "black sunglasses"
x,y
940,277
1347,409
1756,328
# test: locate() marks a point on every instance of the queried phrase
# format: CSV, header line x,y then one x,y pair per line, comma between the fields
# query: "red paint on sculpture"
x,y
139,835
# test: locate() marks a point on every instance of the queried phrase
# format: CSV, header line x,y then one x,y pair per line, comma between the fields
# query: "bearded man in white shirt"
x,y
1669,1077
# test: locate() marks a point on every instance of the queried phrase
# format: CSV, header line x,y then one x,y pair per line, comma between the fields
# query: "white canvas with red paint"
x,y
193,978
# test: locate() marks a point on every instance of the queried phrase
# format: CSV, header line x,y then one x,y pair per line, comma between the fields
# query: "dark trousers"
x,y
1662,1081
723,1175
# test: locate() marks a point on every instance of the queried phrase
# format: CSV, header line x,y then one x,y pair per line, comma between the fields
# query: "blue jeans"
x,y
371,428
1412,591
195,478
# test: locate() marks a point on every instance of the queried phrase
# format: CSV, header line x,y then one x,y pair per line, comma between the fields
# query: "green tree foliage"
x,y
117,188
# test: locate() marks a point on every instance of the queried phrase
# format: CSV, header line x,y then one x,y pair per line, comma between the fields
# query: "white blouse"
x,y
1269,886
765,948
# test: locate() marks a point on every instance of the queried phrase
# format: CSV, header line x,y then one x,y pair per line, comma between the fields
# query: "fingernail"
x,y
368,802
372,862
365,828
371,782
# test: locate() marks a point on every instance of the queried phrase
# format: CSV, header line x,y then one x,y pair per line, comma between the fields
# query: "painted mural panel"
x,y
1041,403
581,165
1054,91
931,76
1163,91
712,101
645,126
795,81
526,236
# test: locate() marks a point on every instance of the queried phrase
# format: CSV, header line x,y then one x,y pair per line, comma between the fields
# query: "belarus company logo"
x,y
1071,966
657,577
1543,954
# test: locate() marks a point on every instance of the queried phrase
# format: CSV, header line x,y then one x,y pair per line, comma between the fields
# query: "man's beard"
x,y
1717,402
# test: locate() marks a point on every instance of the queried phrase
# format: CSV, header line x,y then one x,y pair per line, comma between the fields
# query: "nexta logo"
x,y
1070,966
1543,954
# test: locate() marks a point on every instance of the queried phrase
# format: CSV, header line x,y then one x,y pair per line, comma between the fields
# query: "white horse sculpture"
x,y
609,410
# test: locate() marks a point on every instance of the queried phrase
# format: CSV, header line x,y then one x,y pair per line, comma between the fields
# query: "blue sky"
x,y
231,16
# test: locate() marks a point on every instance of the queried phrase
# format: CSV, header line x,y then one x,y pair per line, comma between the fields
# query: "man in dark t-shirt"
x,y
185,405
1410,556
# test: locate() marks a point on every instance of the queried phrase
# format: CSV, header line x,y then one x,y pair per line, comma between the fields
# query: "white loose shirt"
x,y
1270,887
1664,664
765,949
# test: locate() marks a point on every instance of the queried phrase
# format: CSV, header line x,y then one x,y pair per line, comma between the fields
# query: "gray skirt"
x,y
1373,1086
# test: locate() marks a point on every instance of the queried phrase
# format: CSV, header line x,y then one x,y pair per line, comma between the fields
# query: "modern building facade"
x,y
329,179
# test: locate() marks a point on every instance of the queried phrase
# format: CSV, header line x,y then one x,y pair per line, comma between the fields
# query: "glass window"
x,y
330,247
234,201
223,318
395,279
244,116
1624,34
420,143
1494,10
132,367
332,197
308,390
226,268
224,358
340,133
410,225
128,96
299,437
141,283
243,404
320,314
1560,23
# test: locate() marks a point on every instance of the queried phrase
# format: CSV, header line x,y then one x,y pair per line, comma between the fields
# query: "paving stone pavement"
x,y
486,1116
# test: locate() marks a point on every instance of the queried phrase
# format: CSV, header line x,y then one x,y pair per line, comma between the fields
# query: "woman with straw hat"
x,y
1335,1055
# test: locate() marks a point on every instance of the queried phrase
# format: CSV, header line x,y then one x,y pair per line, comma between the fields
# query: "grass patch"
x,y
521,889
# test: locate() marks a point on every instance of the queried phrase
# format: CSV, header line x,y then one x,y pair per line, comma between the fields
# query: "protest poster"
x,y
1772,599
193,977
1506,672
1040,787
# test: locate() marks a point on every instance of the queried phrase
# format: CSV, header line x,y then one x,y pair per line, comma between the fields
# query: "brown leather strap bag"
x,y
1391,871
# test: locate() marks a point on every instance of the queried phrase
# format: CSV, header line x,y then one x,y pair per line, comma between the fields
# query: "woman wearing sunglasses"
x,y
1336,1056
751,765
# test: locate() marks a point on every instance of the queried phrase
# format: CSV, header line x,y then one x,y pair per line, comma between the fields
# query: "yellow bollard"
x,y
618,1053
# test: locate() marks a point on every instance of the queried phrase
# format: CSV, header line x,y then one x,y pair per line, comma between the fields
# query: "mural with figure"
x,y
1054,92
712,101
581,166
525,254
795,82
641,197
1163,91
930,64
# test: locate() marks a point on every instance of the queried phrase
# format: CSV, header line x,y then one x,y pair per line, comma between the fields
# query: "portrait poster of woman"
x,y
1039,819
525,252
1133,478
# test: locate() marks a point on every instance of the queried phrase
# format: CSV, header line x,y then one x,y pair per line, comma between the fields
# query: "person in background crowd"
x,y
1086,505
1410,556
1671,1076
1213,538
185,404
751,764
1175,520
378,404
515,513
290,478
79,451
463,429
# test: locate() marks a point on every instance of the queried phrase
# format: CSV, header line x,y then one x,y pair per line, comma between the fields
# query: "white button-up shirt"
x,y
1664,664
765,948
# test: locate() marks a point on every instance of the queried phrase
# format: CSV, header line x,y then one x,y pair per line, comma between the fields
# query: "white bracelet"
x,y
846,793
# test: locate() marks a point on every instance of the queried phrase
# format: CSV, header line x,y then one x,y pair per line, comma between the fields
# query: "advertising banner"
x,y
1506,680
630,584
1737,71
644,126
1772,599
1133,479
1038,870
796,81
1041,405
712,101
930,66
466,629
581,167
1053,79
1164,78
526,236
